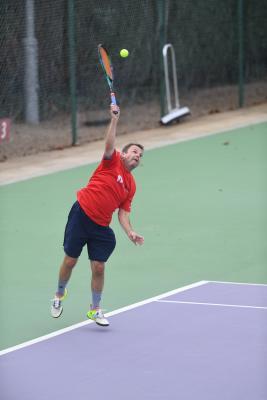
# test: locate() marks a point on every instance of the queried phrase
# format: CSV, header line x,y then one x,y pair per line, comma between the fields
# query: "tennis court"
x,y
201,206
211,345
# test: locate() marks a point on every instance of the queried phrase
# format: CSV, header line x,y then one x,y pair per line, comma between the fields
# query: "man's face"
x,y
132,157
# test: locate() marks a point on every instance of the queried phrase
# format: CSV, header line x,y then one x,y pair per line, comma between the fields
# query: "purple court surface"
x,y
206,341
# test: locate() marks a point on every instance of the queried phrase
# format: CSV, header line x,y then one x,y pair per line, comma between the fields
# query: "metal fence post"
x,y
31,83
161,5
72,69
241,52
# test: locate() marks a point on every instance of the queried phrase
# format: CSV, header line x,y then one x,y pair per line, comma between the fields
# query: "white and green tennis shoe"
x,y
57,307
98,317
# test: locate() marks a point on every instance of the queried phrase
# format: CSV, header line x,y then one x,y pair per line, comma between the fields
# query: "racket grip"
x,y
113,98
113,101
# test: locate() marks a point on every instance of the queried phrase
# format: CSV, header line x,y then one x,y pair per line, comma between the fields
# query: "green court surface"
x,y
201,206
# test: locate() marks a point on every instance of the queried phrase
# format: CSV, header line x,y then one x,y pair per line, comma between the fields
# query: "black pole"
x,y
241,52
162,41
72,69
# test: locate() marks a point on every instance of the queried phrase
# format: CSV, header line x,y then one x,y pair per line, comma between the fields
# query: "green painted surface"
x,y
201,206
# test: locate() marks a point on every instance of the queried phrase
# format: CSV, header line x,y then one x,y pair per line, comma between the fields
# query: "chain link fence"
x,y
50,70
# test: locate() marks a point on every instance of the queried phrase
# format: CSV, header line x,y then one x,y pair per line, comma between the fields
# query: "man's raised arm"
x,y
111,132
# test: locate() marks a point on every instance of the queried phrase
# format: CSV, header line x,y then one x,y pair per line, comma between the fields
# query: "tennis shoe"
x,y
98,316
57,307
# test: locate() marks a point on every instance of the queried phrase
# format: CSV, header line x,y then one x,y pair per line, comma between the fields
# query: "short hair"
x,y
127,146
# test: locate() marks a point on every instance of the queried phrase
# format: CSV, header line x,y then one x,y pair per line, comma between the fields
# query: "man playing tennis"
x,y
111,187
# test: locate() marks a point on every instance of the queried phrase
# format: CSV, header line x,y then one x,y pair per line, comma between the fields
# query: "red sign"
x,y
5,129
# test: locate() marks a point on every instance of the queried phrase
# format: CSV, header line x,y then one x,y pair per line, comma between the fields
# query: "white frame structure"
x,y
174,111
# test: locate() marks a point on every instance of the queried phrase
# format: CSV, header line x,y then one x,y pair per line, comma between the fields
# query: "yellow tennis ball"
x,y
124,53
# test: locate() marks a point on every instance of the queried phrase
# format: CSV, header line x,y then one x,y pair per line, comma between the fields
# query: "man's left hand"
x,y
135,238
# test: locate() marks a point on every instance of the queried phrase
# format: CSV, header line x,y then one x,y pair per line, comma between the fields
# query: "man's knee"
x,y
70,262
98,267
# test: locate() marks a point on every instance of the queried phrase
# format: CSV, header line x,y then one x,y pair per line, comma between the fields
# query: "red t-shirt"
x,y
111,186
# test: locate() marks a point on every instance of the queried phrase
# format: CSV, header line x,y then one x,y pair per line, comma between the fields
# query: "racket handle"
x,y
113,101
113,98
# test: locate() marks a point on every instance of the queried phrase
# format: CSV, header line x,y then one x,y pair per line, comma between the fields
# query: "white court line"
x,y
239,283
120,310
210,304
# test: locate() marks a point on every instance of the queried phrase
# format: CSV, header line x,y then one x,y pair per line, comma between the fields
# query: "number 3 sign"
x,y
4,129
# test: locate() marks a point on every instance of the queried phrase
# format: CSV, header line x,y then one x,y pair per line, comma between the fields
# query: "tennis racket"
x,y
105,61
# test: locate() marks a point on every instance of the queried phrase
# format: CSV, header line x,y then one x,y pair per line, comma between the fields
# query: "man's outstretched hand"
x,y
115,111
135,238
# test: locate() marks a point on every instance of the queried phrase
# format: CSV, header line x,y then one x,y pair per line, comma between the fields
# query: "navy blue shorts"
x,y
81,230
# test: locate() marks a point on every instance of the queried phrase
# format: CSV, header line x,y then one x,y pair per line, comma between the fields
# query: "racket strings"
x,y
106,63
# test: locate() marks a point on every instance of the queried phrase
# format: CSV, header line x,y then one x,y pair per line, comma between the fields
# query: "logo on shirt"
x,y
119,179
